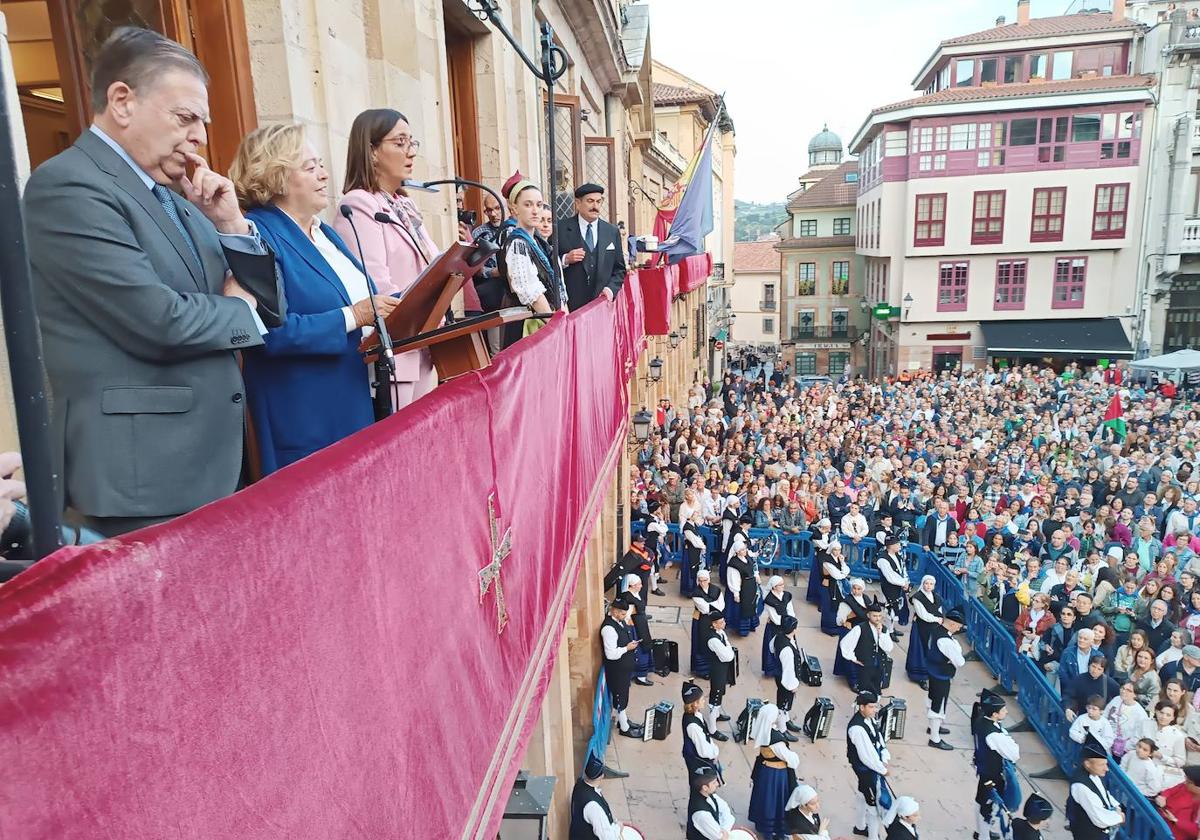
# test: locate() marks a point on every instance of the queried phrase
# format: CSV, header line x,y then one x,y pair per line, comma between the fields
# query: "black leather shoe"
x,y
940,745
633,732
643,681
719,736
790,738
924,685
658,592
896,634
793,727
723,718
861,832
944,730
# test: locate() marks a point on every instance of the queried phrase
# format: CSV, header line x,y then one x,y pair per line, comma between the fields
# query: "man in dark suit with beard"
x,y
593,254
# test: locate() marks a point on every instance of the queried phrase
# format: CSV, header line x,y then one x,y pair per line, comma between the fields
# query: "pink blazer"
x,y
393,257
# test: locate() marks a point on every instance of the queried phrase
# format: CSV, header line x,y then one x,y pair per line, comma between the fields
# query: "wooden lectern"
x,y
416,322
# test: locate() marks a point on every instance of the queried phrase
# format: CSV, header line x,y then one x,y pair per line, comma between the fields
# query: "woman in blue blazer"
x,y
307,386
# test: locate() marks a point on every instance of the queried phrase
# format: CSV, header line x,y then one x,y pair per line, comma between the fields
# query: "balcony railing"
x,y
767,305
813,333
1190,243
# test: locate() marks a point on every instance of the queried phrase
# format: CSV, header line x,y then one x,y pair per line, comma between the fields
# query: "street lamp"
x,y
862,303
656,366
641,425
673,338
908,302
683,331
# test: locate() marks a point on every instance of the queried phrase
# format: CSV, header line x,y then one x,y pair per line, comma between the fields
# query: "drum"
x,y
628,832
740,833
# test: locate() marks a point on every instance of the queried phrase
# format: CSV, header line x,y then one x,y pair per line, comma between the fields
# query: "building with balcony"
x,y
823,316
754,295
1010,190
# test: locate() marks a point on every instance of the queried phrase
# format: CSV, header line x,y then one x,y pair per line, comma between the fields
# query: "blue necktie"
x,y
168,204
590,238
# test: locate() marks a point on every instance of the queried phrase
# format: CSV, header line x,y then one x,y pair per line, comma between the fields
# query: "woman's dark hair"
x,y
366,133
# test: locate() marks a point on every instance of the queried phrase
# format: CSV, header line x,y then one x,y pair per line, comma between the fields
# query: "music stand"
x,y
414,324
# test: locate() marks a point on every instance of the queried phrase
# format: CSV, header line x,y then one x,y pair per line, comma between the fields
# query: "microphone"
x,y
385,361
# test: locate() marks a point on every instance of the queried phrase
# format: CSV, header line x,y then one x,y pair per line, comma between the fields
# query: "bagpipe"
x,y
1008,803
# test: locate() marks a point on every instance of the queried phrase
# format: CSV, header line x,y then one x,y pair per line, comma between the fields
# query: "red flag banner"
x,y
312,657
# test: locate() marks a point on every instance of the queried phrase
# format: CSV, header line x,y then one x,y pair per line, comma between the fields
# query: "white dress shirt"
x,y
719,644
352,280
705,748
601,825
866,750
714,829
850,641
952,650
787,665
608,636
1101,811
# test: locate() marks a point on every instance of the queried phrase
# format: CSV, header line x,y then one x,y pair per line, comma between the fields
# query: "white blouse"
x,y
523,277
353,280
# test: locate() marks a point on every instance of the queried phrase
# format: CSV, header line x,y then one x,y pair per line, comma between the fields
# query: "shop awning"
x,y
1088,337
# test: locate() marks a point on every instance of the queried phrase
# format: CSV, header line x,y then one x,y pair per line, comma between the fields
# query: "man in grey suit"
x,y
140,313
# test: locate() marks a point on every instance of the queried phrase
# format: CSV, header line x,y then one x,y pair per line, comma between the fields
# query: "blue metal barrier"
x,y
993,642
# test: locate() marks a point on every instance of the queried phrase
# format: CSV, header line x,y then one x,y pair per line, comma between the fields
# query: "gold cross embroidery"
x,y
501,548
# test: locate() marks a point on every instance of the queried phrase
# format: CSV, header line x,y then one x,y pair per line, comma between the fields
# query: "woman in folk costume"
x,y
835,587
523,264
802,816
693,553
849,613
774,774
634,591
777,604
822,538
707,597
742,605
902,818
928,609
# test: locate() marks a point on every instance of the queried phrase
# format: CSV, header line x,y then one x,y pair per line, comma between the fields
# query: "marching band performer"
x,y
693,553
902,819
709,816
945,658
850,612
927,609
741,582
803,820
644,661
656,532
729,522
777,604
822,540
894,582
619,662
773,777
720,667
706,598
1092,812
1038,811
995,750
834,588
864,648
699,750
591,818
869,757
788,678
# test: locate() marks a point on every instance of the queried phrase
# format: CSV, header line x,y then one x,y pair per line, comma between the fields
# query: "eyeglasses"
x,y
404,144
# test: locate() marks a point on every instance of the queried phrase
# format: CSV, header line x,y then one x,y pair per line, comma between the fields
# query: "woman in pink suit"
x,y
380,156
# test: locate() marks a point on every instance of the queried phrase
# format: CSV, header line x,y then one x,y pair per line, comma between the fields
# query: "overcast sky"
x,y
787,66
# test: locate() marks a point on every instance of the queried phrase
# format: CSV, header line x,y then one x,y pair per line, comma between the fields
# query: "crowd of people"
x,y
173,298
1063,499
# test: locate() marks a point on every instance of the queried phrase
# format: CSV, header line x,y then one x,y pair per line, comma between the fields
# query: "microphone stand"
x,y
385,360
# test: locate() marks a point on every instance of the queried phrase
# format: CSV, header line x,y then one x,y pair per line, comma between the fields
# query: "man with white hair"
x,y
1075,658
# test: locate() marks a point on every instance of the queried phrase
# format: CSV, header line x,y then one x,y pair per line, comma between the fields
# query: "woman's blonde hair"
x,y
264,158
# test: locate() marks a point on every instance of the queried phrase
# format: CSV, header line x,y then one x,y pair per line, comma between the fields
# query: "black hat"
x,y
891,540
588,189
702,775
874,605
990,701
652,506
746,519
885,514
593,767
866,697
788,624
640,536
713,616
691,692
956,614
1092,748
619,603
1038,808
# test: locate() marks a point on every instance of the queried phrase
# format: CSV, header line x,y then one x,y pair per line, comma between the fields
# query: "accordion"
x,y
818,719
733,666
745,721
657,722
892,718
666,656
810,669
885,671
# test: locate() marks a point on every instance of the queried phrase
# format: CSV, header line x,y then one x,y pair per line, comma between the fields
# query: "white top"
x,y
693,539
1101,728
716,829
608,637
774,616
1104,812
850,641
733,578
1051,580
602,826
952,650
657,527
887,564
787,665
719,644
1004,744
854,525
1143,772
837,571
705,748
1170,742
843,610
523,278
866,750
1127,721
923,613
784,754
703,606
352,280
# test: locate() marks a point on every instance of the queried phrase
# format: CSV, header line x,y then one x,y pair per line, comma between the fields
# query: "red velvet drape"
x,y
310,658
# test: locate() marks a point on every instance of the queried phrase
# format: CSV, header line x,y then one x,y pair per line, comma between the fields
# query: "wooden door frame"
x,y
464,113
611,186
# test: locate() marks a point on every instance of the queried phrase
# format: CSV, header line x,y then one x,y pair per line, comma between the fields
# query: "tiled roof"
x,y
756,256
982,94
830,191
805,243
678,95
1047,27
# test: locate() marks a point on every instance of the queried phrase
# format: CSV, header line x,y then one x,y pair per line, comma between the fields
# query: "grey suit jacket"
x,y
146,394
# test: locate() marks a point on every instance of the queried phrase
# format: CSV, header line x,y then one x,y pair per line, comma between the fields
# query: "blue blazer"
x,y
307,386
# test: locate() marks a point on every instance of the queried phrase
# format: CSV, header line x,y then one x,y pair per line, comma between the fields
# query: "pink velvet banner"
x,y
311,658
